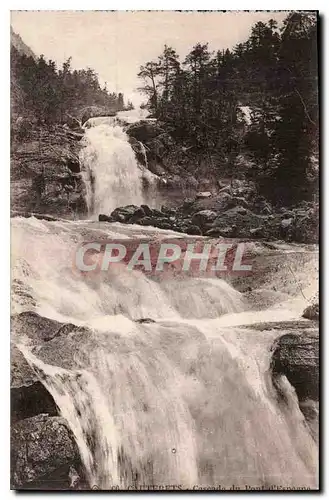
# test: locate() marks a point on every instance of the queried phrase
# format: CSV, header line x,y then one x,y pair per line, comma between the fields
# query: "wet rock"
x,y
157,213
122,214
136,216
147,210
34,326
297,357
212,217
146,221
310,410
163,223
39,446
193,230
214,232
312,312
20,372
105,218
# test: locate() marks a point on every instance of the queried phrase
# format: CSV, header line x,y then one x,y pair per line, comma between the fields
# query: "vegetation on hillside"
x,y
40,90
200,101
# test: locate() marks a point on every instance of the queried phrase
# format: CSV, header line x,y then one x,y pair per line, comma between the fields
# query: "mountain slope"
x,y
17,42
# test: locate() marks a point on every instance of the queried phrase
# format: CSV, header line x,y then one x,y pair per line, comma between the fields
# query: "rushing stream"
x,y
186,401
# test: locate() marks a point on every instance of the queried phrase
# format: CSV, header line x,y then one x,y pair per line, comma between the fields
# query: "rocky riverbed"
x,y
224,215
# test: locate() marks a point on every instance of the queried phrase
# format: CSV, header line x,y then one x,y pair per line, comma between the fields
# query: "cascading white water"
x,y
112,175
181,402
186,401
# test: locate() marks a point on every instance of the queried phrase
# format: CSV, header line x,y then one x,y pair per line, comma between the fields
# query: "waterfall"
x,y
162,404
112,175
183,401
186,401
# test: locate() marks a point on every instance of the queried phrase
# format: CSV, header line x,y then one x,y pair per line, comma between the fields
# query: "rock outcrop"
x,y
296,357
43,451
222,215
44,454
312,312
45,172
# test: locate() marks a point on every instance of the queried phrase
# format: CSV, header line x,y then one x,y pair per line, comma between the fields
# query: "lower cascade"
x,y
162,383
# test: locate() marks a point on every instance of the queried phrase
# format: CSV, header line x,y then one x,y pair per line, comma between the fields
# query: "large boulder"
x,y
144,130
193,230
35,327
40,446
123,214
297,357
312,312
204,218
217,203
241,222
105,218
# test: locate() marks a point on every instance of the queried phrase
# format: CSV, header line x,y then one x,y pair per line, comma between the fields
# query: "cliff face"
x,y
45,173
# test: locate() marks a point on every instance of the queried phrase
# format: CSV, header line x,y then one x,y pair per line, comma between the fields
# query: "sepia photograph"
x,y
164,218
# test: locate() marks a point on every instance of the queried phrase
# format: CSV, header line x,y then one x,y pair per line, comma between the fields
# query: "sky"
x,y
116,44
